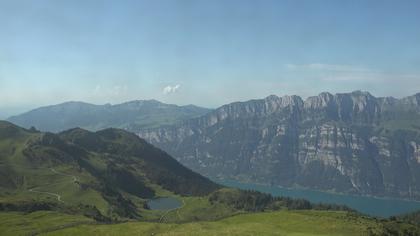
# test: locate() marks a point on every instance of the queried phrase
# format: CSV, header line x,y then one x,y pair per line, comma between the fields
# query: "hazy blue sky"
x,y
203,52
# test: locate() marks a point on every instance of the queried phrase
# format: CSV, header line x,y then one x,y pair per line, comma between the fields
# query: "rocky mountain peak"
x,y
387,102
344,142
293,100
413,100
322,100
360,93
273,103
363,100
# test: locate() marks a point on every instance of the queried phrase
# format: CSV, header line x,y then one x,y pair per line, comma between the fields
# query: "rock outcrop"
x,y
351,143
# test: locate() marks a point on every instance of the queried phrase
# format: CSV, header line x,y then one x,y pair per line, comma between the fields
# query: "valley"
x,y
84,183
209,117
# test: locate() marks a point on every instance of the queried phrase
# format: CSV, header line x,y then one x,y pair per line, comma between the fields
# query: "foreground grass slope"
x,y
274,223
18,223
303,222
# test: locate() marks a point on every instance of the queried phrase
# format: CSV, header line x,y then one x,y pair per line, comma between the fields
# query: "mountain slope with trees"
x,y
112,170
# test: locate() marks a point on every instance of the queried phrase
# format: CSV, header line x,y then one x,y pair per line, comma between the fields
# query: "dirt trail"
x,y
58,196
52,194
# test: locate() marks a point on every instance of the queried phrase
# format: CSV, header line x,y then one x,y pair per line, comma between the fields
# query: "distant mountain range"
x,y
350,142
133,115
72,182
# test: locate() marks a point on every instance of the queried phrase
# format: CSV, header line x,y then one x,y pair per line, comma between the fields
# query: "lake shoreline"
x,y
370,205
220,181
164,203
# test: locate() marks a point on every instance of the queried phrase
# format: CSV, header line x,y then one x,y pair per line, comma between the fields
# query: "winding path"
x,y
52,194
58,196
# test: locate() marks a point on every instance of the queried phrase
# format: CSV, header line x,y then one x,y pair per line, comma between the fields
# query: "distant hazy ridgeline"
x,y
132,115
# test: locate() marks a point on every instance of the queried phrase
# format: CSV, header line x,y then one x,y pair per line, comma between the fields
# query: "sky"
x,y
203,52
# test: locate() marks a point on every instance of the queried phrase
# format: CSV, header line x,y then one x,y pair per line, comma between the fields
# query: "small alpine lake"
x,y
380,207
164,203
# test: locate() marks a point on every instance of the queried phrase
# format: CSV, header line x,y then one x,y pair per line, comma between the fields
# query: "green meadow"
x,y
298,223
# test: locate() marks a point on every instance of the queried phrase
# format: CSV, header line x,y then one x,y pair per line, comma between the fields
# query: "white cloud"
x,y
171,89
342,73
372,76
350,77
116,90
119,90
97,90
327,67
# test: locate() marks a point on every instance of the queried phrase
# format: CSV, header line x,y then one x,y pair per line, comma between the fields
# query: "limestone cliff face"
x,y
353,143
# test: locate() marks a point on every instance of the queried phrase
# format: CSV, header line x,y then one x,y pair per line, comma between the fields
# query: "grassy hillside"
x,y
413,218
18,223
305,222
112,171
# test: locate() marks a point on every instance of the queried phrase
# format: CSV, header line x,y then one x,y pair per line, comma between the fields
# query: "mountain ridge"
x,y
347,142
112,170
131,115
355,141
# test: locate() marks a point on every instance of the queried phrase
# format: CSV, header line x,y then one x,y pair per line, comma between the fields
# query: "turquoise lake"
x,y
164,203
381,207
